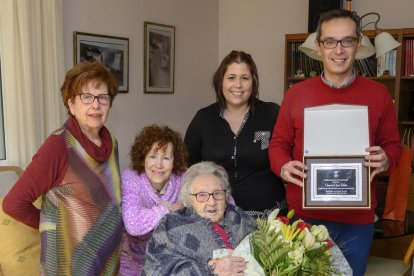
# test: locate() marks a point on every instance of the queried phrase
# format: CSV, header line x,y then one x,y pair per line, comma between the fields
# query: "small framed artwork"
x,y
110,50
159,58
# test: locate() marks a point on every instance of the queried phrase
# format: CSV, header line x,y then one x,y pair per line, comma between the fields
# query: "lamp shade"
x,y
309,47
384,42
366,49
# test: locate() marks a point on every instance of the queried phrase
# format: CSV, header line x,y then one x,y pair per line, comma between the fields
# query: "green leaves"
x,y
267,248
279,256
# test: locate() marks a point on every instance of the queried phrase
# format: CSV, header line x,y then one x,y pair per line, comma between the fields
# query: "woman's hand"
x,y
229,265
171,207
176,206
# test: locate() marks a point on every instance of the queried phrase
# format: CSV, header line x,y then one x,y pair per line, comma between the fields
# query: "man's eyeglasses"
x,y
345,42
204,196
87,98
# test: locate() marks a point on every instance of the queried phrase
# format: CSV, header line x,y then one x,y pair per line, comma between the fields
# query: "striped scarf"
x,y
81,223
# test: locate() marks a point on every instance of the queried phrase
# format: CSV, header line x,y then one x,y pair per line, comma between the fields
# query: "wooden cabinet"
x,y
299,67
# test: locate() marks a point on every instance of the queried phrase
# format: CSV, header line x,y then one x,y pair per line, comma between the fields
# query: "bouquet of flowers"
x,y
285,248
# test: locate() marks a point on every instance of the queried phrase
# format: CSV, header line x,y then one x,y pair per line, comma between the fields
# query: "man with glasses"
x,y
338,38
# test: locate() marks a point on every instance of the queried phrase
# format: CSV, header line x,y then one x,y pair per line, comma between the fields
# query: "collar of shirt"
x,y
346,84
163,190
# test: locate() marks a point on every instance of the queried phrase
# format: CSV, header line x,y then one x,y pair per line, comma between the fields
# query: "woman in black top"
x,y
235,132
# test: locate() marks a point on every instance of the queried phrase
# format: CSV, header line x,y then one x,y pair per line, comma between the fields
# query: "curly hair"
x,y
81,74
162,135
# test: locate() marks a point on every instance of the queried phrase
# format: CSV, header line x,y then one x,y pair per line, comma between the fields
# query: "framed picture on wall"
x,y
159,58
110,50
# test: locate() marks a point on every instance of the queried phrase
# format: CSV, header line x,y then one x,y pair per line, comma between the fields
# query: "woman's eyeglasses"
x,y
88,98
204,196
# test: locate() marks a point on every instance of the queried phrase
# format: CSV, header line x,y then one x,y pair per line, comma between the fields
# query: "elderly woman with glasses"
x,y
184,241
76,171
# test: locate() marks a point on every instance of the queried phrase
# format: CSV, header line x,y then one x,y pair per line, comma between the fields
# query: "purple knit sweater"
x,y
141,213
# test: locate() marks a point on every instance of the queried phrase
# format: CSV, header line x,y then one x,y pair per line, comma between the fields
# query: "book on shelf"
x,y
292,59
386,64
372,66
409,57
359,67
300,64
366,67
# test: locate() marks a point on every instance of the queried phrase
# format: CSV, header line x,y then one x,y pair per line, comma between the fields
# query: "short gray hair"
x,y
203,168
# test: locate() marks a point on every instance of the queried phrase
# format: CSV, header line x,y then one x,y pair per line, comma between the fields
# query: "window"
x,y
2,143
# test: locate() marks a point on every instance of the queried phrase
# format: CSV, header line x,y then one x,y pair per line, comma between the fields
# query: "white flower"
x,y
309,240
272,216
296,255
320,232
276,225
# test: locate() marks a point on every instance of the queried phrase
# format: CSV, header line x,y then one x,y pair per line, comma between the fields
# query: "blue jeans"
x,y
354,240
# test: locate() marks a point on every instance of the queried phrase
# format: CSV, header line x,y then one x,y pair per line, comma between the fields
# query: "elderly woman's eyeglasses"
x,y
345,42
204,196
87,98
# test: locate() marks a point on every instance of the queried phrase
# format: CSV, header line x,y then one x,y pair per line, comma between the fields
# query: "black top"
x,y
244,156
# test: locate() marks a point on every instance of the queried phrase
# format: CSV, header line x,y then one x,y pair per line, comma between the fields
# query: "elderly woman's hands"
x,y
229,265
172,206
177,206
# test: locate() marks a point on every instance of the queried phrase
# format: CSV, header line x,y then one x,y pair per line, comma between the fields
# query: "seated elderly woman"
x,y
184,241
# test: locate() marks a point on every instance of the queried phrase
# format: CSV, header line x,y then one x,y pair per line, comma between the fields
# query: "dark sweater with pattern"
x,y
184,242
245,155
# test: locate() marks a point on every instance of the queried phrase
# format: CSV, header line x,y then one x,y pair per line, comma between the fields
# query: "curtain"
x,y
31,47
2,145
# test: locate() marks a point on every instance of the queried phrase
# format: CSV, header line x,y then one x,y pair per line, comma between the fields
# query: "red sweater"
x,y
287,139
46,170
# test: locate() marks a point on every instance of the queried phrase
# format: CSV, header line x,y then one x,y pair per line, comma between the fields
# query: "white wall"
x,y
206,30
394,14
196,31
259,27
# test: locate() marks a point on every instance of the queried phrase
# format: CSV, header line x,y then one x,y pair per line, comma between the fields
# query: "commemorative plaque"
x,y
340,183
335,139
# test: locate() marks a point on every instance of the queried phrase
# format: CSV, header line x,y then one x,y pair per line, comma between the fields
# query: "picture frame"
x,y
336,182
159,58
113,51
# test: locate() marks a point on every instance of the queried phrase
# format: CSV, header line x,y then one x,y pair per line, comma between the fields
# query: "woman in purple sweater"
x,y
149,190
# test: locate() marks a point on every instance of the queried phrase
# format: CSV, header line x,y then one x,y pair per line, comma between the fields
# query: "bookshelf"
x,y
399,82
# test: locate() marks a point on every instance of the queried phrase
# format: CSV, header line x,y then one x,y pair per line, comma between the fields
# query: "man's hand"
x,y
293,172
376,159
